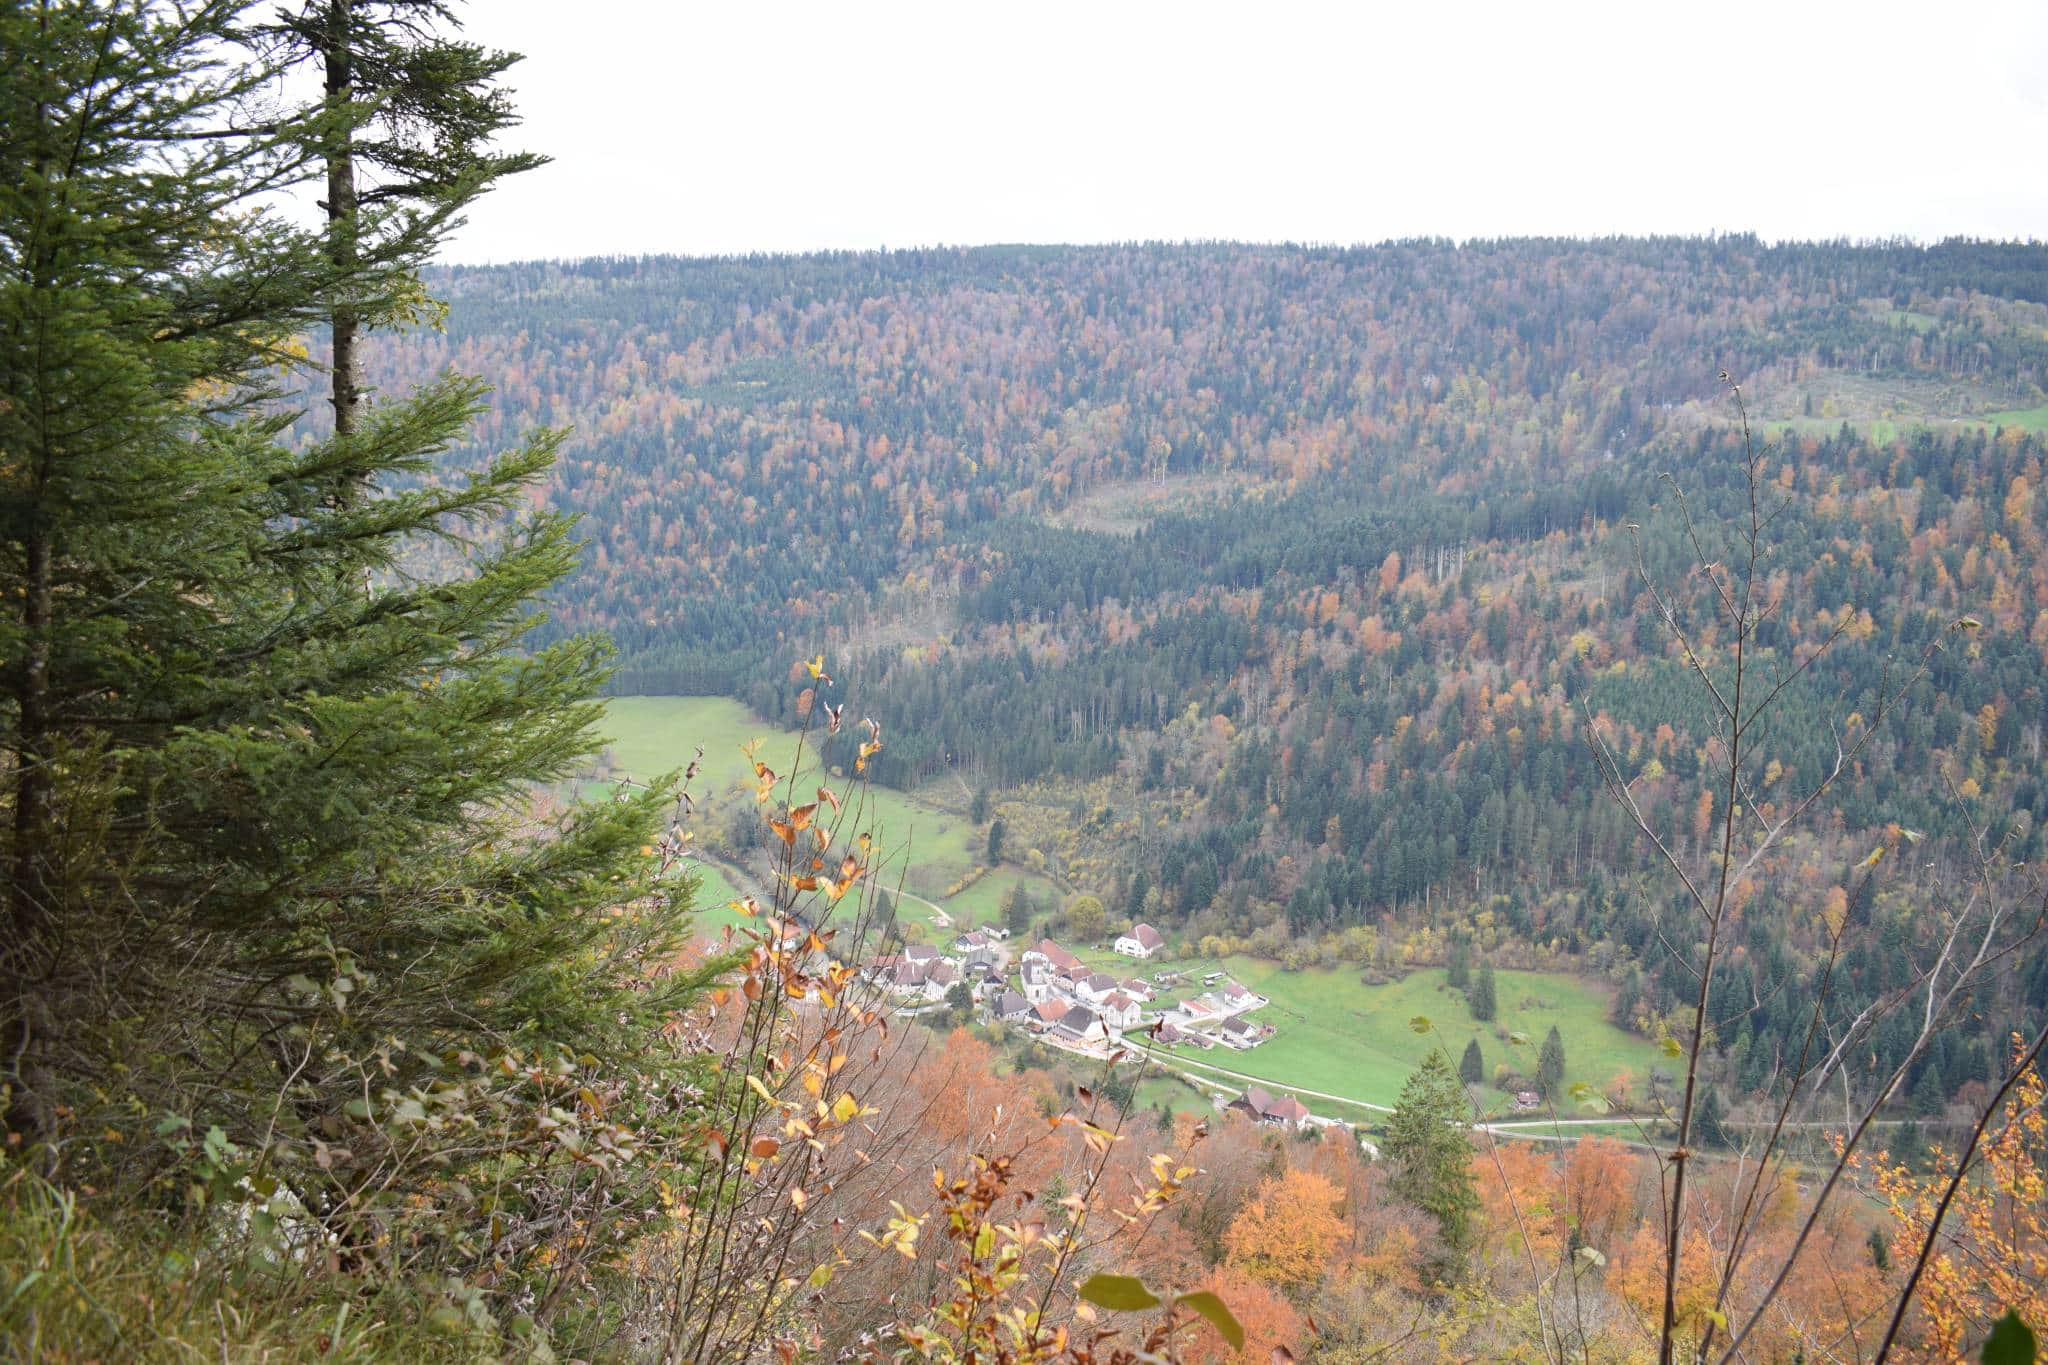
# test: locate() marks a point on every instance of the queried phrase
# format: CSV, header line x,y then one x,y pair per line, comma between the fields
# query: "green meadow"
x,y
2027,419
651,736
924,847
1338,1035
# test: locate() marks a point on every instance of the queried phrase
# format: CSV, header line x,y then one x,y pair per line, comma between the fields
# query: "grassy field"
x,y
654,735
1877,430
1346,1038
1911,321
2027,419
928,847
982,903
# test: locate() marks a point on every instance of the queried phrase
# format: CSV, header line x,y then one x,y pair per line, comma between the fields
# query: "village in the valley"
x,y
1090,1010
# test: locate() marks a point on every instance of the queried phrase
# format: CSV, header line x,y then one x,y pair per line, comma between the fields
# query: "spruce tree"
x,y
1472,1065
1929,1096
267,833
135,278
1458,965
409,113
1708,1121
1430,1151
1550,1064
1485,1005
1018,910
1134,900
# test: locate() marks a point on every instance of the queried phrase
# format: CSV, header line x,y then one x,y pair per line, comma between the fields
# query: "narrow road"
x,y
1528,1130
1175,1062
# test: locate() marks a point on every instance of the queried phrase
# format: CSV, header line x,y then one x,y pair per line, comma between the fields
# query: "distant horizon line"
x,y
1901,241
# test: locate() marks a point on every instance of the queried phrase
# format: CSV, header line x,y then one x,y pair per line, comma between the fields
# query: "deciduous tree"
x,y
1288,1232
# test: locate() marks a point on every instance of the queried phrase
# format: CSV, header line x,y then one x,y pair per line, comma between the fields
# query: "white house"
x,y
1119,1011
1080,1025
1096,987
1052,952
1142,941
1243,1034
1236,998
940,978
906,978
1036,977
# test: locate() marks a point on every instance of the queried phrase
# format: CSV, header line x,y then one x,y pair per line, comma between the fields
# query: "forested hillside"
x,y
768,441
1276,591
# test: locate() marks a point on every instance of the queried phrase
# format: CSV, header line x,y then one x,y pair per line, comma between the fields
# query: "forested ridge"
x,y
778,433
1311,569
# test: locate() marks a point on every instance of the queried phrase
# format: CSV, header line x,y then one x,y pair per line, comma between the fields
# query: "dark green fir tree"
x,y
1550,1065
1482,998
1472,1064
269,771
1430,1152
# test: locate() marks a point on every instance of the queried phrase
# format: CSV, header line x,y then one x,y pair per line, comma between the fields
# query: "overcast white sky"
x,y
748,125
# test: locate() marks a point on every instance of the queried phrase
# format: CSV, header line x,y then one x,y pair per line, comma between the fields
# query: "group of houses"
x,y
1261,1106
1053,993
1060,995
1218,1016
920,974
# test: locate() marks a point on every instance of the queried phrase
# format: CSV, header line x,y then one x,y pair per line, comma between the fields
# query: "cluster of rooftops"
x,y
1055,993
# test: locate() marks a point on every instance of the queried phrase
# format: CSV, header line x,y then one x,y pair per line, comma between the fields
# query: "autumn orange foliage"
x,y
1287,1234
1992,1254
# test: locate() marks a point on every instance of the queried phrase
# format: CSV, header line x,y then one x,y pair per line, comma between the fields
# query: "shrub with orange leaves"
x,y
1287,1234
1991,1253
1270,1322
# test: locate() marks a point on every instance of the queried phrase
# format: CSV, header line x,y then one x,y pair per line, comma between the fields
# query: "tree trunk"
x,y
341,210
29,910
